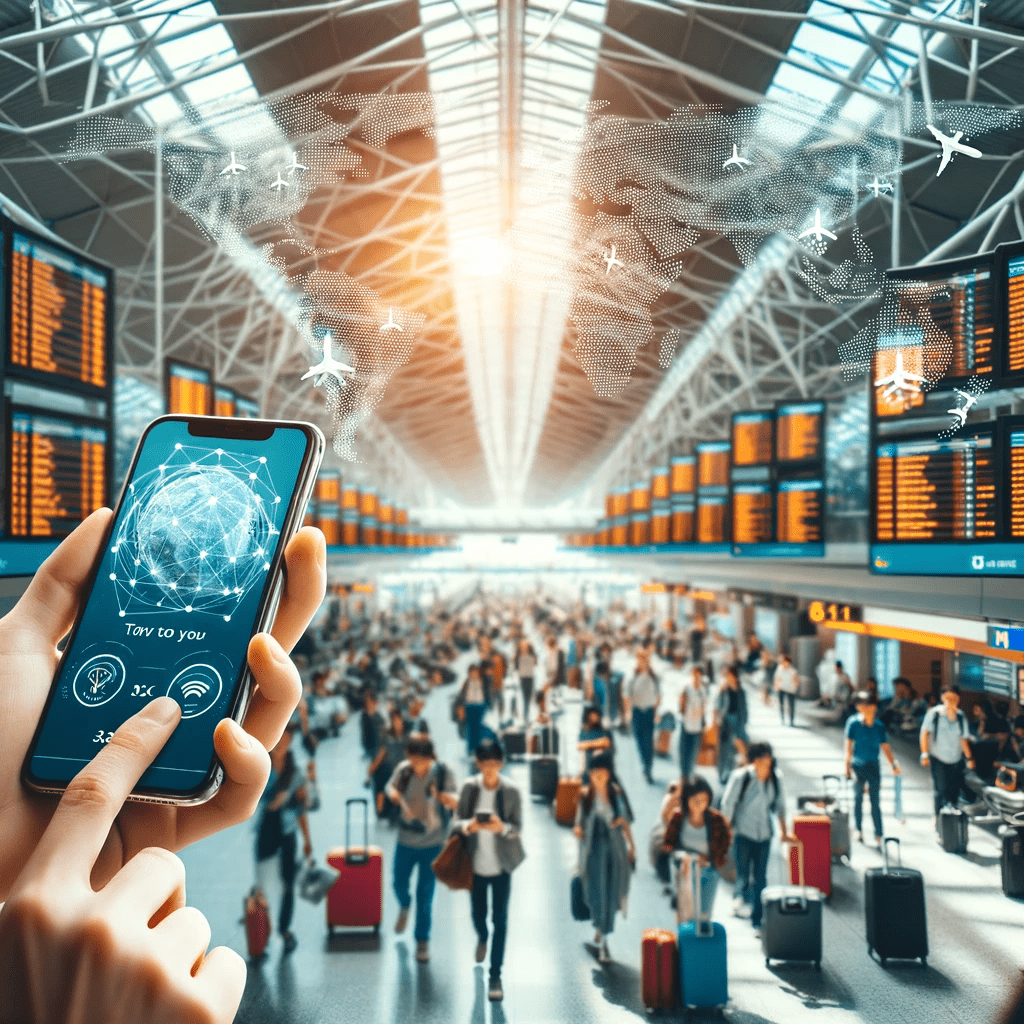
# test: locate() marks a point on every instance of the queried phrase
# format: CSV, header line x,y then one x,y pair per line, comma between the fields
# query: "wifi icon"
x,y
196,689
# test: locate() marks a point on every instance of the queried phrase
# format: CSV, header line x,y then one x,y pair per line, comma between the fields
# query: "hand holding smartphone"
x,y
190,571
483,817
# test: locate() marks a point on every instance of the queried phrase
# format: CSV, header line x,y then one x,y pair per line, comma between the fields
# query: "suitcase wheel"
x,y
330,931
924,961
767,962
882,960
376,928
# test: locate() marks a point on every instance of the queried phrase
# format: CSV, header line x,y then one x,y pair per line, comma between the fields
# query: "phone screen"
x,y
187,567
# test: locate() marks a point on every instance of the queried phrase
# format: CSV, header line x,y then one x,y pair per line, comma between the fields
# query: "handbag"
x,y
577,901
453,866
315,881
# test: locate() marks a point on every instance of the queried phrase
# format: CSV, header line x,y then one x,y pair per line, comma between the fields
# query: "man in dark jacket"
x,y
490,816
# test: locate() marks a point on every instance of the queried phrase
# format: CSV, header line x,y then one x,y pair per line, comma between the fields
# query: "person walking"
x,y
786,683
641,702
752,796
281,813
693,704
424,790
945,741
386,760
731,718
698,829
865,738
490,816
594,738
371,723
607,852
475,699
526,669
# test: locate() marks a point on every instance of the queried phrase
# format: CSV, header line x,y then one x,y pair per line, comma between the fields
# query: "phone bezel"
x,y
229,429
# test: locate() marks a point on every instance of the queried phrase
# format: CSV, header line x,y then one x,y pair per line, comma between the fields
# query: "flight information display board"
x,y
1012,266
223,401
800,432
189,389
712,508
752,437
799,512
660,484
712,518
57,473
683,474
713,464
246,408
60,316
752,514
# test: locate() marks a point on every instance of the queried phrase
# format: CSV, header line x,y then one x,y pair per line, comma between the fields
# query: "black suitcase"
x,y
791,920
894,911
544,778
1013,862
544,740
953,829
514,742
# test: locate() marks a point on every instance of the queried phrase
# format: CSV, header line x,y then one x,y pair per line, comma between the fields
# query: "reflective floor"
x,y
551,972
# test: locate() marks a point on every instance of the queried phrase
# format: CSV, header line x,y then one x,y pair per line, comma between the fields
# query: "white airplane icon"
x,y
392,324
295,165
878,187
951,145
961,411
735,159
234,167
899,380
816,229
612,261
280,183
328,364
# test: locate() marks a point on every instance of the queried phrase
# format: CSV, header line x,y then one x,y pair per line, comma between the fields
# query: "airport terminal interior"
x,y
654,373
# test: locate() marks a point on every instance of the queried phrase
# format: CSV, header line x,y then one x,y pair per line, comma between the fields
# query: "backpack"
x,y
747,779
960,719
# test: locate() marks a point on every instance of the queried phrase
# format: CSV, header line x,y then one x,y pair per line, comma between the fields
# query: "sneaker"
x,y
481,952
860,837
494,991
878,842
742,909
603,955
597,938
403,920
422,952
758,933
290,942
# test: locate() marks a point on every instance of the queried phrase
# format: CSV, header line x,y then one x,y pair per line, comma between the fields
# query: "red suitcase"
x,y
815,832
356,900
257,923
659,955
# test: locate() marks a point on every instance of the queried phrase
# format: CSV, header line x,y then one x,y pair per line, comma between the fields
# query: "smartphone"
x,y
483,817
190,571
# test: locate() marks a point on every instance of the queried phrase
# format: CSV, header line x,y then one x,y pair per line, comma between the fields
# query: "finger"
x,y
246,770
79,826
220,981
48,606
278,689
305,584
151,883
183,938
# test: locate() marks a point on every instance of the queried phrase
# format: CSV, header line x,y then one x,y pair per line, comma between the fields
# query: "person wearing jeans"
x,y
693,703
642,698
945,740
865,738
424,791
475,698
490,816
752,796
787,685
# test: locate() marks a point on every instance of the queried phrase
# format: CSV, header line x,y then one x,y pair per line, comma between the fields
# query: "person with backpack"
x,y
279,816
474,698
731,715
753,795
945,740
424,790
371,723
490,815
865,739
698,829
386,760
607,853
641,702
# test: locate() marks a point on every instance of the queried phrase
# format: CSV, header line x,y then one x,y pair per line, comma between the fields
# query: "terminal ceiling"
x,y
493,406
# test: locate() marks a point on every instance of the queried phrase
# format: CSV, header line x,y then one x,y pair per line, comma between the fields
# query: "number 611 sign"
x,y
833,614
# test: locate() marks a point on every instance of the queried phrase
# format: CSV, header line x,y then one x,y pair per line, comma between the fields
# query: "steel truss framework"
x,y
180,295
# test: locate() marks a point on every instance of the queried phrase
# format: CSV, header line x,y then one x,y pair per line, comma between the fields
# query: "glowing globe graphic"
x,y
198,533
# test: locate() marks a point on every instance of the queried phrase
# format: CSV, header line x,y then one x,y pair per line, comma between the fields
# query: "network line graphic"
x,y
198,535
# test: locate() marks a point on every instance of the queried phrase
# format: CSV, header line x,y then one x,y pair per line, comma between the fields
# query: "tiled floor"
x,y
551,974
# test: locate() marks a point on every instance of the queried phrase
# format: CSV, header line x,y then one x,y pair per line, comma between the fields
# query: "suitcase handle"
x,y
351,855
885,851
798,845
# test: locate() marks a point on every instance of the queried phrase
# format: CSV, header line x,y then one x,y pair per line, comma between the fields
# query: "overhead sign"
x,y
826,613
653,588
1008,638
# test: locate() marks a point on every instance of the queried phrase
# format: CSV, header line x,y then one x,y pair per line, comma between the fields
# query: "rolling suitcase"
x,y
894,911
832,802
815,834
567,797
703,956
544,741
1012,861
659,955
544,778
953,829
356,898
791,920
257,924
663,732
514,742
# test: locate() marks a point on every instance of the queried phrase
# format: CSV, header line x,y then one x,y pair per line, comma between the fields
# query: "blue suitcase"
x,y
703,979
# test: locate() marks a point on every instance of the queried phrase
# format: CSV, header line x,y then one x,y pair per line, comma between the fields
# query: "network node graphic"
x,y
198,533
